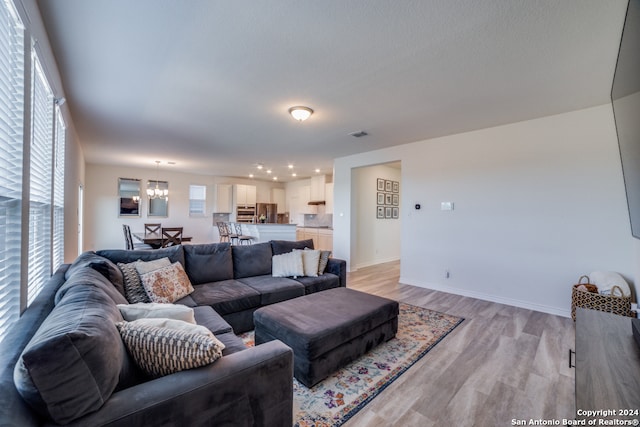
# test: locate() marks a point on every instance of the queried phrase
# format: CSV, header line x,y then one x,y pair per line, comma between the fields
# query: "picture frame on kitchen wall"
x,y
387,212
380,184
396,187
388,199
381,198
395,200
388,186
380,212
395,212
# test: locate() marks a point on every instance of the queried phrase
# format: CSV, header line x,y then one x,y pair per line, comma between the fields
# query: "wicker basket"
x,y
620,305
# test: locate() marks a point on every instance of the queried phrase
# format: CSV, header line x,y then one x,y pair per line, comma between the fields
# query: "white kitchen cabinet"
x,y
278,197
245,195
223,202
304,196
317,188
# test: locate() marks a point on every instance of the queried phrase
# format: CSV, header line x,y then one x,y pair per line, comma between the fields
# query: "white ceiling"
x,y
207,84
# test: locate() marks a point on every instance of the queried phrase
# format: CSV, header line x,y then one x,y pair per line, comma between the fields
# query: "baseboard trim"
x,y
488,297
375,262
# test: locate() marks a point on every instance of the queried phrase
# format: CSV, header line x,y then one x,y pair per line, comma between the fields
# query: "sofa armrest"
x,y
250,387
339,268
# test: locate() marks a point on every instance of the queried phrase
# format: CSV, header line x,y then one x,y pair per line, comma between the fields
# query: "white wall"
x,y
537,204
103,226
377,240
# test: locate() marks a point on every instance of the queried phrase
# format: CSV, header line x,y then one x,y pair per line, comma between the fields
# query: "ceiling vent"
x,y
359,134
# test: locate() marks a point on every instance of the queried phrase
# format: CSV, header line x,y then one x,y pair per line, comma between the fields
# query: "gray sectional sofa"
x,y
64,363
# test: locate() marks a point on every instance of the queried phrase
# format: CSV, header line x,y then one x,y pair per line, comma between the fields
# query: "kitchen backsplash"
x,y
318,220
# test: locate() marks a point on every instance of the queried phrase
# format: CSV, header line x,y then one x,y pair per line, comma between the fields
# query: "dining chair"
x,y
152,228
128,240
243,239
223,231
231,231
171,236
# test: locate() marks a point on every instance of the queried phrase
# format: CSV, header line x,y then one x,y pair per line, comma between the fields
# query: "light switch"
x,y
446,206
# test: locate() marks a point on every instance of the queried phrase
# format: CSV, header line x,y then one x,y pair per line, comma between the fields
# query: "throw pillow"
x,y
143,267
131,312
164,350
310,261
324,260
167,284
133,290
287,265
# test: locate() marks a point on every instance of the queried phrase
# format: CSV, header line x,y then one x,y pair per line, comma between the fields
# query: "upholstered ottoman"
x,y
328,329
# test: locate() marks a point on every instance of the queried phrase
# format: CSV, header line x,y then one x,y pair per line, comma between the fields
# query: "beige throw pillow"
x,y
143,267
167,284
287,265
310,261
131,312
172,347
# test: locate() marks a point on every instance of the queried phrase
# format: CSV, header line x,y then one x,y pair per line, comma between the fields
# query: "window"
x,y
11,141
41,182
58,190
197,200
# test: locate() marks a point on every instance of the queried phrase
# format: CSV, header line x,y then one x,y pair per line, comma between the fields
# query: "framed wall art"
x,y
395,199
388,199
380,184
387,212
380,212
381,198
395,212
396,187
388,186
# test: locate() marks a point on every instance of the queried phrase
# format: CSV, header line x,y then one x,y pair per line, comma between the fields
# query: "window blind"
x,y
40,170
58,190
11,140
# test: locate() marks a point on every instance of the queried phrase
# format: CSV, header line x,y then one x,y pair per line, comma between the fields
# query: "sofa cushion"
x,y
232,342
283,246
131,312
164,346
102,265
251,260
167,284
227,296
75,360
174,253
87,276
274,289
208,263
206,316
320,283
288,265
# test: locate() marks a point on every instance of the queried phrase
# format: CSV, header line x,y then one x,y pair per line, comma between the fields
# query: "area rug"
x,y
333,401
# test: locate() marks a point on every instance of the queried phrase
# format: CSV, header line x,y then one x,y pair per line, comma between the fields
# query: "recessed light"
x,y
268,170
250,175
260,166
290,166
317,170
275,178
294,174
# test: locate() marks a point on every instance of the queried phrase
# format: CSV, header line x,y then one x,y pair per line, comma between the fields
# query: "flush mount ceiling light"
x,y
300,113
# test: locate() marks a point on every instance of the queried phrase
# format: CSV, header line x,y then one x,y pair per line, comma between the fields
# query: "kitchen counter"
x,y
263,232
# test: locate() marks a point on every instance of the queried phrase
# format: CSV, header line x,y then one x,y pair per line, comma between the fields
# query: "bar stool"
x,y
243,238
223,231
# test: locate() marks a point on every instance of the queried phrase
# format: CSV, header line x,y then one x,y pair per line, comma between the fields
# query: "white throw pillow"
x,y
131,312
310,261
287,265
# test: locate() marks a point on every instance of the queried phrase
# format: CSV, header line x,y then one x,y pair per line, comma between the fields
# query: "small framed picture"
x,y
396,187
380,212
380,184
387,199
388,186
395,212
395,200
381,198
387,212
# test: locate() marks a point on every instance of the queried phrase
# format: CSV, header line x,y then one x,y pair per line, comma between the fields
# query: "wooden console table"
x,y
607,365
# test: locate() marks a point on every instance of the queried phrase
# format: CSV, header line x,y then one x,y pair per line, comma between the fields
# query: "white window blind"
x,y
58,190
41,185
197,200
11,140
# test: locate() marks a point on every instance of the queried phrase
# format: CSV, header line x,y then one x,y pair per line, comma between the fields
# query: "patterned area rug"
x,y
333,401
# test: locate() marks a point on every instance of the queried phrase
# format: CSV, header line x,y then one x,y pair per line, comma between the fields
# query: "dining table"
x,y
155,239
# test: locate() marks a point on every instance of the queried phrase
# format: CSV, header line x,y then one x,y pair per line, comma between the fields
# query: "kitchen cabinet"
x,y
278,197
304,196
223,202
322,237
317,188
245,195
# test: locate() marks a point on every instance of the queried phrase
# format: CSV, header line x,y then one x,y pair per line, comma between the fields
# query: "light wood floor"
x,y
501,363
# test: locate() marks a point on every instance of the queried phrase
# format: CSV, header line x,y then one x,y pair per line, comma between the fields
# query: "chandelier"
x,y
157,193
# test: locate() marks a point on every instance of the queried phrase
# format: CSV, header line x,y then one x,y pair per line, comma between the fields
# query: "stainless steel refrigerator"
x,y
269,210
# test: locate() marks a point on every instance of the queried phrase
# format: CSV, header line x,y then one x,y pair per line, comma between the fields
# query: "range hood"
x,y
316,202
